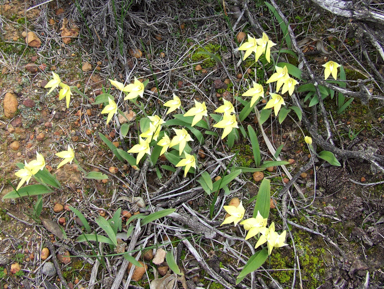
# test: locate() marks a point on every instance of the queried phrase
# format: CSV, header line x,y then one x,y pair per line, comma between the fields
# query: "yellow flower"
x,y
254,225
165,143
281,75
198,111
173,104
236,214
25,175
227,123
276,102
264,46
117,84
227,107
111,109
256,92
308,140
65,91
141,149
330,68
68,156
249,46
36,165
53,83
134,89
188,162
273,239
154,127
181,139
289,85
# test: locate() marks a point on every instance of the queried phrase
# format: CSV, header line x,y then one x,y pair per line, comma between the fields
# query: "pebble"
x,y
49,269
29,103
86,66
17,122
15,145
10,105
58,208
40,136
31,67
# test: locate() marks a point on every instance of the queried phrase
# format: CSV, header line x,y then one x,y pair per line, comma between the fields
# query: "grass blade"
x,y
255,145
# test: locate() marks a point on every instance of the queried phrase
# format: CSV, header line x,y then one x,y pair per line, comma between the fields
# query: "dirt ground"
x,y
336,237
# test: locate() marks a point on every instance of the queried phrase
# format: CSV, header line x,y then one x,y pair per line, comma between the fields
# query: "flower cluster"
x,y
229,122
30,169
256,226
258,46
65,90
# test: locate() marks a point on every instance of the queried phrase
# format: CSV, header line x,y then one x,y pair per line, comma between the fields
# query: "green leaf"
x,y
232,137
82,219
292,69
314,101
47,178
286,51
172,158
132,260
168,168
282,24
207,179
283,114
155,154
250,170
263,201
208,132
253,264
111,146
264,115
247,110
124,129
278,151
197,133
144,124
38,207
96,176
306,87
216,117
268,164
103,98
94,237
116,222
225,180
297,111
158,173
172,263
134,217
126,156
103,223
255,145
32,190
329,157
157,215
188,119
204,186
345,105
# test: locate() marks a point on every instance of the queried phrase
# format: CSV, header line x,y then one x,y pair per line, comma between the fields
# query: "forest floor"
x,y
336,233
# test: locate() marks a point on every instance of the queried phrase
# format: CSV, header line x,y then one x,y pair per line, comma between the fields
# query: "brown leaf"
x,y
167,282
159,256
32,40
52,227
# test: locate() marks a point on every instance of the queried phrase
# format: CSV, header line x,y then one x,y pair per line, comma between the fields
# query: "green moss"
x,y
202,53
245,154
279,263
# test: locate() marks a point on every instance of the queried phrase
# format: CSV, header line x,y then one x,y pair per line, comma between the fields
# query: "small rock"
x,y
40,136
258,176
148,255
17,122
33,58
116,143
32,40
49,269
126,215
234,202
138,272
241,36
29,103
32,68
135,53
44,254
218,84
113,170
163,270
291,161
270,169
63,256
62,221
86,67
15,267
201,154
227,81
15,145
75,138
363,179
198,67
286,180
239,76
272,204
227,96
10,105
43,83
58,208
48,124
303,175
159,256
